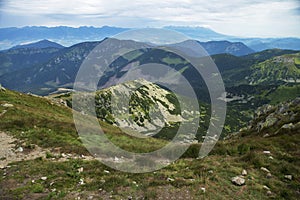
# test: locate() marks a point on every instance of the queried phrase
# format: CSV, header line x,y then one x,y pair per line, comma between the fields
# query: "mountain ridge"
x,y
68,36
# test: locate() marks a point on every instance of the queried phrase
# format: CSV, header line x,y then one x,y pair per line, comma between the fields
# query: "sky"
x,y
246,18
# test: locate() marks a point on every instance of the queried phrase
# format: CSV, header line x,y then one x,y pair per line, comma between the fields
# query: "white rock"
x,y
271,157
210,171
116,159
269,192
20,149
266,187
44,178
244,172
203,189
81,181
238,180
266,152
289,177
7,105
106,171
80,170
265,169
170,179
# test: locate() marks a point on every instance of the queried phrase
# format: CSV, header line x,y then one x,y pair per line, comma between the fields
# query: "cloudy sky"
x,y
263,18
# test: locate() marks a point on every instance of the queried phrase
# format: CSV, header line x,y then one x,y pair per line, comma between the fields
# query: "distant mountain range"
x,y
68,36
39,45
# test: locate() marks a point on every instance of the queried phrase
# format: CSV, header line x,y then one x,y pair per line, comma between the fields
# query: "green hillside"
x,y
62,173
282,68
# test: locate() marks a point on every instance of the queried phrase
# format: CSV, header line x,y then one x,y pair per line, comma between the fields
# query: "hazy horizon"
x,y
242,18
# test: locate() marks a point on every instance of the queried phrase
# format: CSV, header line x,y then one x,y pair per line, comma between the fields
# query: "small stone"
x,y
116,159
266,152
90,197
244,172
80,170
20,149
210,171
170,179
2,167
44,178
266,187
265,169
269,175
134,182
269,193
271,157
63,155
81,182
266,135
106,171
238,181
288,177
203,189
33,181
51,183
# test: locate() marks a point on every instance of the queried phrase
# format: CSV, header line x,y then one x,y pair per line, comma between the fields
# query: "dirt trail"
x,y
8,152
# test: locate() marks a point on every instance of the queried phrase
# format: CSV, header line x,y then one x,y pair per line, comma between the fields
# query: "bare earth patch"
x,y
8,152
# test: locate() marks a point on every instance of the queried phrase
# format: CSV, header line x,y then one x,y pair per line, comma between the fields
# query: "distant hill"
x,y
39,45
18,59
284,68
234,48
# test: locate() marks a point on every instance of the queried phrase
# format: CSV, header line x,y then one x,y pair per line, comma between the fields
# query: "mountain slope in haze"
x,y
18,59
64,35
68,36
58,71
39,45
234,48
199,33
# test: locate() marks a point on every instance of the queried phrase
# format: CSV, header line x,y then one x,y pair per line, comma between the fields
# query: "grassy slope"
x,y
227,160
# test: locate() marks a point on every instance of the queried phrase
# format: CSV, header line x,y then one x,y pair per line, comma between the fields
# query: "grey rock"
x,y
288,126
269,175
